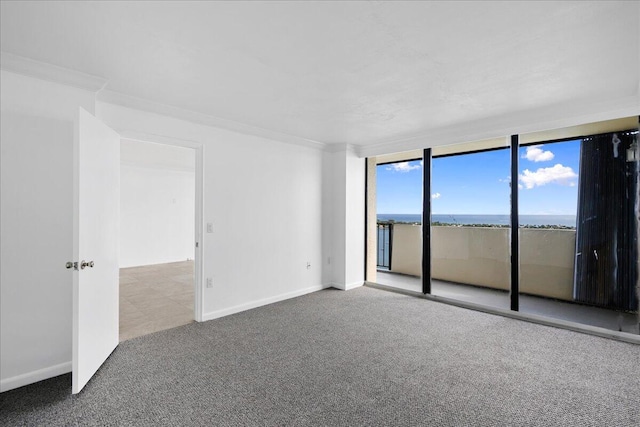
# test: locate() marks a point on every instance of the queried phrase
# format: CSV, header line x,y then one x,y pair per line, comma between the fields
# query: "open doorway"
x,y
157,251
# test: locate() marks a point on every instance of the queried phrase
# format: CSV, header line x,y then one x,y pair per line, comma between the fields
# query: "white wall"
x,y
354,220
264,199
36,227
346,178
157,205
156,216
329,218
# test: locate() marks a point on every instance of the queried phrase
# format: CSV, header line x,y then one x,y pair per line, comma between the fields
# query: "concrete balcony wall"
x,y
407,249
471,255
480,256
547,260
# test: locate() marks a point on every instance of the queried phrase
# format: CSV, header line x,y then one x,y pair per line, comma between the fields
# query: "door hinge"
x,y
196,244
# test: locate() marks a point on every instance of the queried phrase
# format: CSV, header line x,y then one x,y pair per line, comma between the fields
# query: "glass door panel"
x,y
399,224
578,231
470,229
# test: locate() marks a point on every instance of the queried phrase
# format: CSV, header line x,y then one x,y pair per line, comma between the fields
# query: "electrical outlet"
x,y
209,282
308,265
209,227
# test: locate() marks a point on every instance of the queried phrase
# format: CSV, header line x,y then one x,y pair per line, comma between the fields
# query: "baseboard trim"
x,y
34,376
347,286
259,303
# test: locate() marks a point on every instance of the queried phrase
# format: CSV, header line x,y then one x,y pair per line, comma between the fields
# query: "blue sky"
x,y
478,183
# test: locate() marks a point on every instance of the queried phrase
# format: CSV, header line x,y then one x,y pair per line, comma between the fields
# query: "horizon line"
x,y
480,214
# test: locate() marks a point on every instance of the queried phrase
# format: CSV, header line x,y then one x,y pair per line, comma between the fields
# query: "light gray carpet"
x,y
363,357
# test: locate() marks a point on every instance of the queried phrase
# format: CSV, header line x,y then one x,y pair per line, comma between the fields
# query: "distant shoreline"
x,y
445,224
498,221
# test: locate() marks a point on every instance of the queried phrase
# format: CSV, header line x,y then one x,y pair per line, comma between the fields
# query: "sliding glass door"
x,y
578,233
470,227
399,224
548,199
543,223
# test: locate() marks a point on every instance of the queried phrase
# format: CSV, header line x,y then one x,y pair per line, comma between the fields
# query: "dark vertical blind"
x,y
607,242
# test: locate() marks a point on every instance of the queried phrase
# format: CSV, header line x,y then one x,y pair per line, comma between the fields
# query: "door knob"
x,y
84,264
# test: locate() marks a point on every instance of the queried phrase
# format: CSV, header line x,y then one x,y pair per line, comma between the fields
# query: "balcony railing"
x,y
385,245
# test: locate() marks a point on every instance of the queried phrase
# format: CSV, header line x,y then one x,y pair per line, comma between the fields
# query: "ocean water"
x,y
565,220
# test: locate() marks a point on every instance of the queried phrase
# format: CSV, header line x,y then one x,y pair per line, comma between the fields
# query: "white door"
x,y
96,191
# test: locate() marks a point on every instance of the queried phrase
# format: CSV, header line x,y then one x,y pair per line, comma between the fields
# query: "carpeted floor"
x,y
362,357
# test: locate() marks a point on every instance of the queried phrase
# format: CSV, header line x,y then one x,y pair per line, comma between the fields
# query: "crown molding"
x,y
117,98
53,73
28,67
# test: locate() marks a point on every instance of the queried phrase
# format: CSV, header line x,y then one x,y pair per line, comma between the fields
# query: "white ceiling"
x,y
363,73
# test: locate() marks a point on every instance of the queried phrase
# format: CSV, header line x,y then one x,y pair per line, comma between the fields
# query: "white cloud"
x,y
436,196
536,154
402,167
558,174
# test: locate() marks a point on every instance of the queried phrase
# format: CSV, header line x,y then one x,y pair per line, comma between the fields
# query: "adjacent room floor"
x,y
594,316
155,297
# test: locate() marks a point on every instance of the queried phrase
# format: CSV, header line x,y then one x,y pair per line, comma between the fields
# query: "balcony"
x,y
472,264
